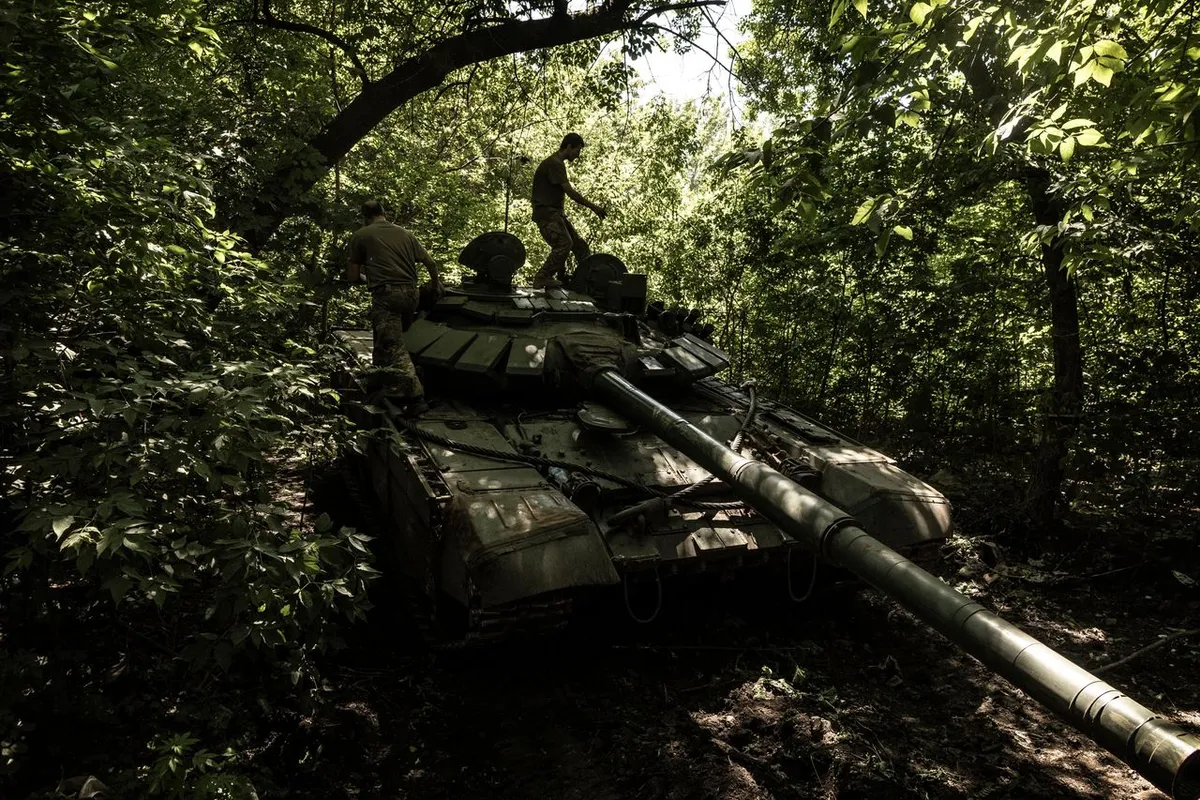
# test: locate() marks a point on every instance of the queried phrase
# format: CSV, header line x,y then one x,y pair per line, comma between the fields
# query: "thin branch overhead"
x,y
269,20
693,43
675,7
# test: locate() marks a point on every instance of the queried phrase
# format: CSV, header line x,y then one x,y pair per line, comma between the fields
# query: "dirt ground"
x,y
736,695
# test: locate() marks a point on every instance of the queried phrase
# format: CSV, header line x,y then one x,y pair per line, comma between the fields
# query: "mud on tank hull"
x,y
517,492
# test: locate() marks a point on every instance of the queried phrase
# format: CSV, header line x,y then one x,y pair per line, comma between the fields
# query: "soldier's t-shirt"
x,y
548,181
387,252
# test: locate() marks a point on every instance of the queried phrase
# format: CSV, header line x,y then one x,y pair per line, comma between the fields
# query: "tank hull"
x,y
490,529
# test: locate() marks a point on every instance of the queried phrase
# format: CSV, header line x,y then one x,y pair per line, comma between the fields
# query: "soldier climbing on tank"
x,y
385,256
550,185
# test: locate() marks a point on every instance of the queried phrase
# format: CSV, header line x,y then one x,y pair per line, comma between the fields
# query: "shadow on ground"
x,y
731,697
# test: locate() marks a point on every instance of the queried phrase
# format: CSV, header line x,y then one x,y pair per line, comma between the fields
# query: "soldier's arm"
x,y
432,266
435,276
354,266
574,194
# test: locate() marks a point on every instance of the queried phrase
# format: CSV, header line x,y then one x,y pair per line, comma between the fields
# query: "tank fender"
x,y
515,544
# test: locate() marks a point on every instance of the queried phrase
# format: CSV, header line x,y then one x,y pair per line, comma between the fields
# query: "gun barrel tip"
x,y
1187,778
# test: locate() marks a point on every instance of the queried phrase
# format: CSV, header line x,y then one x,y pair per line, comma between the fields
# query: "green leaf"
x,y
1021,56
881,244
1077,123
861,7
18,558
1067,148
130,506
61,524
223,655
903,231
910,118
1172,91
863,212
1055,52
972,26
118,586
839,8
919,12
1102,74
1084,72
1089,138
1107,47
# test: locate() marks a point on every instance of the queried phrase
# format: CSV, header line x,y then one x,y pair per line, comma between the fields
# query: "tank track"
x,y
519,621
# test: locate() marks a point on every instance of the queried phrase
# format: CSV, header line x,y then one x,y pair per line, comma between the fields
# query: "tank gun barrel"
x,y
1166,754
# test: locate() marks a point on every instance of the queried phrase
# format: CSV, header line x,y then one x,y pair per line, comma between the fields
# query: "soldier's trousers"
x,y
393,307
563,239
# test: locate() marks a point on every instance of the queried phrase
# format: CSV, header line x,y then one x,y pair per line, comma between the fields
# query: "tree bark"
x,y
1060,421
279,195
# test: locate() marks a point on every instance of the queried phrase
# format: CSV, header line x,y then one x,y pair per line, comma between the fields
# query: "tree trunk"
x,y
279,196
1061,418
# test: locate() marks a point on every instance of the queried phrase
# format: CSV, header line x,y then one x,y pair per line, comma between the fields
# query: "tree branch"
x,y
735,56
280,193
716,61
269,20
1148,648
654,12
445,87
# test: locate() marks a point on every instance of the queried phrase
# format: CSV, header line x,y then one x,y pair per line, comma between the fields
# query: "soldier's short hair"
x,y
372,208
572,140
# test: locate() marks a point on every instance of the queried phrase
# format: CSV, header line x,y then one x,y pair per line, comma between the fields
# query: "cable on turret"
x,y
658,599
812,581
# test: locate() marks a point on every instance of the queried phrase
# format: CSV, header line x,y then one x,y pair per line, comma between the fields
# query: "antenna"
x,y
508,191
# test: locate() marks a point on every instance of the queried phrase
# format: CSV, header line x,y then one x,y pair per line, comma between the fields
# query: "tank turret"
x,y
581,440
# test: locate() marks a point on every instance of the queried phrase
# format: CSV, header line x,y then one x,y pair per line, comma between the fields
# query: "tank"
x,y
582,443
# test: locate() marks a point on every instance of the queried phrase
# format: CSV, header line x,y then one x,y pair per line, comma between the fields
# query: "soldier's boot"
x,y
416,407
542,281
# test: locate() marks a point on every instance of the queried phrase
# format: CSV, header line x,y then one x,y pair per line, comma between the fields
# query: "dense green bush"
x,y
155,379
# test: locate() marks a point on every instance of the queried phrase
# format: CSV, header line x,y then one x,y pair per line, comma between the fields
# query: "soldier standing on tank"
x,y
385,257
550,185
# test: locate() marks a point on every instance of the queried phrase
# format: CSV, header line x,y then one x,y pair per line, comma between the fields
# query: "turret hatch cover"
x,y
594,273
601,418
